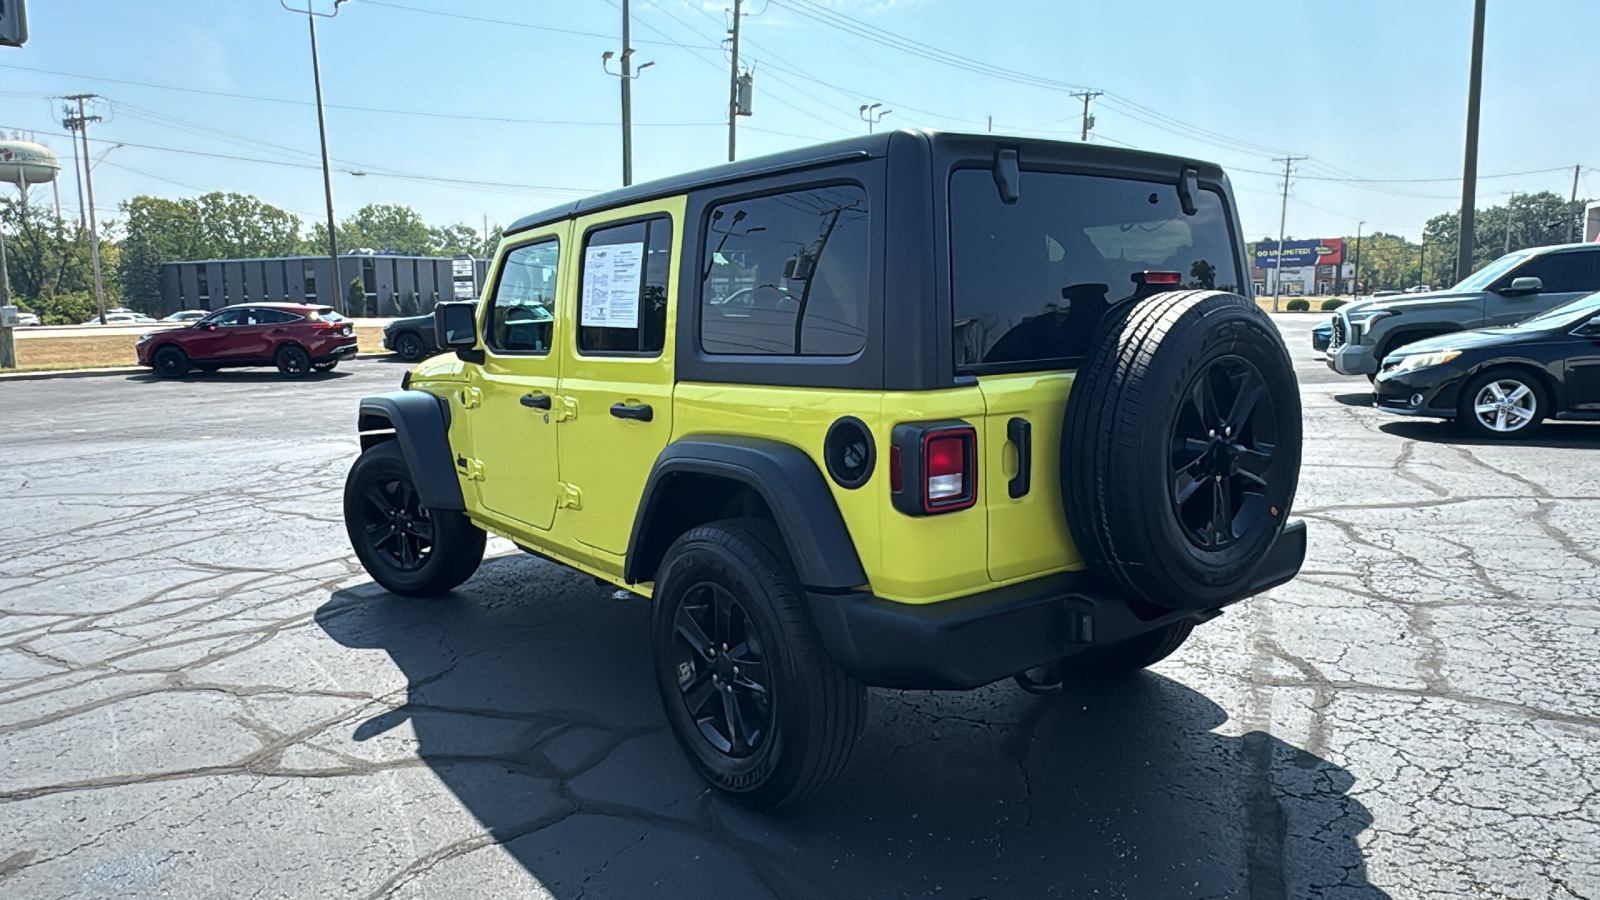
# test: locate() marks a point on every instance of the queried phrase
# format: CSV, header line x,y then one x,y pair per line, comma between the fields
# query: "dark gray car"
x,y
1505,292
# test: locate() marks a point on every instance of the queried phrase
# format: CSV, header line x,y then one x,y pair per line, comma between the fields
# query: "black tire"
x,y
798,717
1521,405
327,366
170,362
1168,495
293,361
422,552
410,346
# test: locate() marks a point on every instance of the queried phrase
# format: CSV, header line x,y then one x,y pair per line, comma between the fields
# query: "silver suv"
x,y
1506,291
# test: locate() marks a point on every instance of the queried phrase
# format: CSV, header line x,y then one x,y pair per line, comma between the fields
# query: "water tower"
x,y
23,164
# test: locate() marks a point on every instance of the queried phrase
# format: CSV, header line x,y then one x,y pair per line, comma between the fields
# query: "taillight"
x,y
933,467
1157,278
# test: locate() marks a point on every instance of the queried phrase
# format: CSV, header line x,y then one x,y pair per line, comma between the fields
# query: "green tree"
x,y
214,226
355,299
381,226
46,256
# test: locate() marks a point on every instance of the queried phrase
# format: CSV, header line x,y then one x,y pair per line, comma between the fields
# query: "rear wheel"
x,y
1503,404
409,346
170,362
293,361
760,709
1186,424
408,548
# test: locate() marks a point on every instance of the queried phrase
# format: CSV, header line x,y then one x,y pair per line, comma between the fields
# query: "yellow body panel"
x,y
587,469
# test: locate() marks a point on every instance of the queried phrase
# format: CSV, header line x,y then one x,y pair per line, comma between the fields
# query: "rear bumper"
x,y
971,641
344,351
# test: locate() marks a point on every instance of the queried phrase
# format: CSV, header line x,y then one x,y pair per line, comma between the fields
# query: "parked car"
x,y
1322,336
123,318
186,315
297,338
1502,382
1508,290
915,458
412,337
28,320
1418,289
1376,294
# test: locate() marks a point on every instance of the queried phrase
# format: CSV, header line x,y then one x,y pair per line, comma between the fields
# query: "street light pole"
x,y
627,75
336,298
872,116
1355,278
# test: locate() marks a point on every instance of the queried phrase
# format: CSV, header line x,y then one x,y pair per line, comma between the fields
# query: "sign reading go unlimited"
x,y
1325,252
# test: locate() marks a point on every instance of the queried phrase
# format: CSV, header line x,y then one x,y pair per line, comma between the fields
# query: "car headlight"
x,y
1368,316
1424,360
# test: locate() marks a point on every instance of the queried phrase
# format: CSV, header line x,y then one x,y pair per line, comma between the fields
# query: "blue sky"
x,y
520,108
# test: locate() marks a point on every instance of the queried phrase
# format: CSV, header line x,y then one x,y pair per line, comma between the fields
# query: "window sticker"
x,y
611,275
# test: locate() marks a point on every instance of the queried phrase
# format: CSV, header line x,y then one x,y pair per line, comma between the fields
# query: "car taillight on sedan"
x,y
933,467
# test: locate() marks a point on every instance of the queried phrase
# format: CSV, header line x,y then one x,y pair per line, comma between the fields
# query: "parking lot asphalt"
x,y
202,695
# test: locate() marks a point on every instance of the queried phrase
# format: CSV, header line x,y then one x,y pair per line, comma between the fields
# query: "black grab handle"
x,y
1020,432
642,412
536,401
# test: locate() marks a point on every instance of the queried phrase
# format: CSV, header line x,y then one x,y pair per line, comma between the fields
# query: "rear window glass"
x,y
1031,279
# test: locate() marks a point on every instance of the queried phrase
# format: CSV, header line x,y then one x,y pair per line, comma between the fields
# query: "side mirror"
x,y
1527,284
455,325
1590,328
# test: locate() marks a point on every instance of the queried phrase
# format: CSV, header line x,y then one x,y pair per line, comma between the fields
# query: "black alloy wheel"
x,y
722,670
1223,443
171,362
397,524
294,361
410,347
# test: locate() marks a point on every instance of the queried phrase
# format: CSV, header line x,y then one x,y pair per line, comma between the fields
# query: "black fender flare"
x,y
784,477
421,424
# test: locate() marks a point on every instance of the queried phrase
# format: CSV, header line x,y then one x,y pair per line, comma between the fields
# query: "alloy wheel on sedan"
x,y
1505,405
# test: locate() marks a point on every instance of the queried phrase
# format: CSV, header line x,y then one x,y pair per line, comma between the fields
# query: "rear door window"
x,y
1032,279
787,274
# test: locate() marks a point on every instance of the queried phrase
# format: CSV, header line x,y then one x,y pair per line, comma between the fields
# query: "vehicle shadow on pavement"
x,y
531,699
1554,435
1363,398
238,376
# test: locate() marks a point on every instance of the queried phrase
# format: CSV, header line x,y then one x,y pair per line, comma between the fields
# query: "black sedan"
x,y
1501,382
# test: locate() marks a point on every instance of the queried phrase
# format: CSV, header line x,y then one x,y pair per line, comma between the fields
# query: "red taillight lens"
x,y
896,478
946,468
1158,278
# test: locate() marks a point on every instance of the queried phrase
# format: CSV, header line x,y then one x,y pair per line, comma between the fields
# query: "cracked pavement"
x,y
202,695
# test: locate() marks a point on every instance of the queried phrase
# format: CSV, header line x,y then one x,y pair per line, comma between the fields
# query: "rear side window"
x,y
1031,279
787,274
1563,272
272,317
622,303
521,316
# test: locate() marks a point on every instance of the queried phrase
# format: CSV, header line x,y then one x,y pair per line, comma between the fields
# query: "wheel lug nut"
x,y
724,647
1211,433
735,670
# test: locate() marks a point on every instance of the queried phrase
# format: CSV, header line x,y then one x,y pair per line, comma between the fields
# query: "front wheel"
x,y
409,346
406,547
760,709
170,362
293,361
1503,404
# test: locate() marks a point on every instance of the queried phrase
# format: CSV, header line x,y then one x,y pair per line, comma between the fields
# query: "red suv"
x,y
296,338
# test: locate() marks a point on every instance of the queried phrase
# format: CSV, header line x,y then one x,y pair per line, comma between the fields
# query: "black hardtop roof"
x,y
863,147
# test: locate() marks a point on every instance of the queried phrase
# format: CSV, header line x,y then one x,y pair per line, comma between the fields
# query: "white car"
x,y
25,319
123,318
187,315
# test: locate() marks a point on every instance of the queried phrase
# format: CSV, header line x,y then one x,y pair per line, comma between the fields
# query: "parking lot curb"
x,y
70,373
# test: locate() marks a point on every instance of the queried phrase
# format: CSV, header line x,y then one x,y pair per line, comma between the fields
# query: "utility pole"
x,y
1355,279
872,116
1422,259
1088,120
627,76
71,123
1469,169
1572,204
1283,216
336,298
83,121
733,82
1511,212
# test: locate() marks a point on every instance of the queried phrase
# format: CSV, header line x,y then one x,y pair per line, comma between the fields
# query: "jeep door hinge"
x,y
570,497
471,398
471,468
568,408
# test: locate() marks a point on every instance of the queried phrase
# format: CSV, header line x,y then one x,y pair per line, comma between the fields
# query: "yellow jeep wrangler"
x,y
914,410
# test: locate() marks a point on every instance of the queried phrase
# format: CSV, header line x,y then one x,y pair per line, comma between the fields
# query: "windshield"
x,y
1481,279
1563,316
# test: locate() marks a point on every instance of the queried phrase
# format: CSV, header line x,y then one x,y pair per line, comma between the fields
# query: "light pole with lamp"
x,y
336,298
628,76
872,116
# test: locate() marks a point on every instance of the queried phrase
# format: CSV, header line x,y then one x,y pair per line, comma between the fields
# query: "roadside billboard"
x,y
1324,252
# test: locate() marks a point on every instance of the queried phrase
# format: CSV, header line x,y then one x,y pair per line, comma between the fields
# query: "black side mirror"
x,y
1527,284
455,325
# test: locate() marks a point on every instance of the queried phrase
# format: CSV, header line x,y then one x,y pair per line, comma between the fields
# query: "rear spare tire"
x,y
1181,447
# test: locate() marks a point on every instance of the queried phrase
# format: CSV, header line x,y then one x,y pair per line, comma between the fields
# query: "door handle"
x,y
536,401
1020,432
642,412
